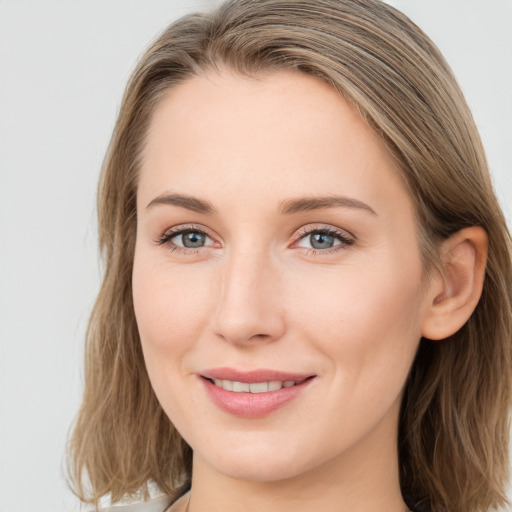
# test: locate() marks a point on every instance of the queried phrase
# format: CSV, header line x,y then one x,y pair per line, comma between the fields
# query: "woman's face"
x,y
275,246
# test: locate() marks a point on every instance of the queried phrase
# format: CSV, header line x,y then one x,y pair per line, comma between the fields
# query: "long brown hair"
x,y
454,423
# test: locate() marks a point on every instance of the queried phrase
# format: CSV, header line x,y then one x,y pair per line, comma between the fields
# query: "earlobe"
x,y
455,294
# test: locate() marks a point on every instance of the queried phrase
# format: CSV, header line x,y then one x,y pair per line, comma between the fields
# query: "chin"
x,y
258,462
262,470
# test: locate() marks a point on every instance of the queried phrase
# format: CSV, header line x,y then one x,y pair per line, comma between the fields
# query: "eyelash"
x,y
344,238
166,238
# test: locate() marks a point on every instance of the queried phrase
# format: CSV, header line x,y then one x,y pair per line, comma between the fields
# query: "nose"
x,y
249,308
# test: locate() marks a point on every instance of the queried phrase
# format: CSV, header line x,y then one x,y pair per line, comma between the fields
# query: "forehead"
x,y
277,134
250,112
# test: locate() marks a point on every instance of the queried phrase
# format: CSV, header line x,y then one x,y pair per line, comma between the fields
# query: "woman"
x,y
307,293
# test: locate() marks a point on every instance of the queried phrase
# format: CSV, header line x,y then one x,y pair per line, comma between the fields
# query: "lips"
x,y
253,375
255,393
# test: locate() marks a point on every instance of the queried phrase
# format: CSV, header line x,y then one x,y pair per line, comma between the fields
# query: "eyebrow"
x,y
288,207
184,201
317,203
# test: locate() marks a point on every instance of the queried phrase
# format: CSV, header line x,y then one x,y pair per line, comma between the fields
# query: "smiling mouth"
x,y
255,393
255,387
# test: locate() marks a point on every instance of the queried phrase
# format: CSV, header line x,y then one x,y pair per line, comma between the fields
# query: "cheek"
x,y
366,326
169,305
170,308
366,321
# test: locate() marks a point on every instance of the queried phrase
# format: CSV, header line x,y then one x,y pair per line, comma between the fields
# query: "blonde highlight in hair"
x,y
454,423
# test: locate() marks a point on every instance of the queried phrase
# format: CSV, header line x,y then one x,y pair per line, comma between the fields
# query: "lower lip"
x,y
252,405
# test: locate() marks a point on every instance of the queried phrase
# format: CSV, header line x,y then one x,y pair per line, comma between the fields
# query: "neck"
x,y
364,478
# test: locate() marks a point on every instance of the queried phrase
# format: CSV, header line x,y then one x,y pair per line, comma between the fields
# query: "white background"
x,y
63,67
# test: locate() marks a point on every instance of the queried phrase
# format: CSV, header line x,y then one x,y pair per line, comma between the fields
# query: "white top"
x,y
160,504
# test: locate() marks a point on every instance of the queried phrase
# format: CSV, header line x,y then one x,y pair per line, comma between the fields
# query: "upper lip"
x,y
259,375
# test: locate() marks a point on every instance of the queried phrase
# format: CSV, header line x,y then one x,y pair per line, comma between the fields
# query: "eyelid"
x,y
174,231
346,238
314,227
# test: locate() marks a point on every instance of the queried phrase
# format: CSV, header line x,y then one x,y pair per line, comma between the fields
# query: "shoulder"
x,y
160,504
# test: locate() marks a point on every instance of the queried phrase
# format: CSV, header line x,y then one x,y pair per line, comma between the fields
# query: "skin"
x,y
257,296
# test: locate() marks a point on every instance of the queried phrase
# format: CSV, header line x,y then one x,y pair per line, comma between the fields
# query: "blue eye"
x,y
186,238
190,239
321,240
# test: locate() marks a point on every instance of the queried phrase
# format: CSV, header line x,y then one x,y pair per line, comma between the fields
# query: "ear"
x,y
453,296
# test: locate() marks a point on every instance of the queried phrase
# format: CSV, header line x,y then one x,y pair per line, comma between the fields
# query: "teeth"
x,y
274,385
253,387
258,387
241,387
